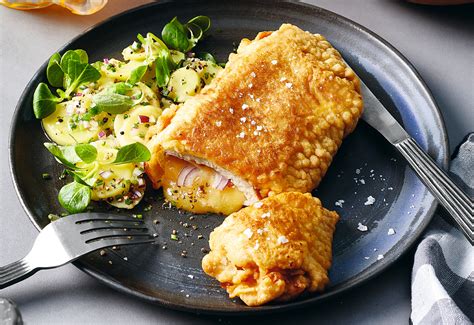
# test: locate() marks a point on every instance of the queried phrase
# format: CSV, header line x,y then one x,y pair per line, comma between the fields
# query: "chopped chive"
x,y
46,176
174,237
53,217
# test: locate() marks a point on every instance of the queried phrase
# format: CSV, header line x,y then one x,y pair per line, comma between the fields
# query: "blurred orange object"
x,y
79,7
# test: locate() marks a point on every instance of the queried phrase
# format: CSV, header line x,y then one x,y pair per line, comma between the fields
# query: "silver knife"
x,y
451,196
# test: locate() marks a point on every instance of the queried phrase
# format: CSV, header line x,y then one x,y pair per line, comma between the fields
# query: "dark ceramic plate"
x,y
366,164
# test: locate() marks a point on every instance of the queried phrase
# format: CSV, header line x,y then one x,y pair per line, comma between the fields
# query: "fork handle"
x,y
451,196
15,272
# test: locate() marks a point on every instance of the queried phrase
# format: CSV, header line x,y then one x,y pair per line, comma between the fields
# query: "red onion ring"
x,y
220,182
188,181
105,174
144,118
183,175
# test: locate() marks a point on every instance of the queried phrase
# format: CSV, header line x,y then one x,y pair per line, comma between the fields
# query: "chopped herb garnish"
x,y
46,176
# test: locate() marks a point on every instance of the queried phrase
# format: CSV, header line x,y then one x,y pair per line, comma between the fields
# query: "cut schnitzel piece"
x,y
270,122
273,250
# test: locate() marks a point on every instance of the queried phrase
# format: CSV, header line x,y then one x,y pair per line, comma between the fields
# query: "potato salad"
x,y
97,114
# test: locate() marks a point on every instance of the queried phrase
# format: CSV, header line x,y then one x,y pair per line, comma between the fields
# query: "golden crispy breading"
x,y
274,117
273,252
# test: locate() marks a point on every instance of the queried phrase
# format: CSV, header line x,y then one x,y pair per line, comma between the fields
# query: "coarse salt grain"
x,y
245,106
241,135
357,171
253,74
339,203
259,231
190,276
243,119
370,200
258,205
218,123
265,215
250,85
362,227
362,181
259,128
282,240
231,110
379,257
258,100
391,232
274,62
248,232
282,79
289,85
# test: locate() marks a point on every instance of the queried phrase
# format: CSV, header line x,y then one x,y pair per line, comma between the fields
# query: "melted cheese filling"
x,y
198,195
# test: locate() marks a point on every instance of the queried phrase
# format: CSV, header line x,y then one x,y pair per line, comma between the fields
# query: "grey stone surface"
x,y
438,41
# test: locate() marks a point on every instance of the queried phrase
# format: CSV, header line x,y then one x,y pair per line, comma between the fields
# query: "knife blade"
x,y
379,118
448,193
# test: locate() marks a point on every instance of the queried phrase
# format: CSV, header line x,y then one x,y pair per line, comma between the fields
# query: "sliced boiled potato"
x,y
210,71
206,70
121,185
65,126
132,126
184,83
129,54
132,198
148,95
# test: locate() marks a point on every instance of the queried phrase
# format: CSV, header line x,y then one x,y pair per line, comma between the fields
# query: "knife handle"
x,y
451,196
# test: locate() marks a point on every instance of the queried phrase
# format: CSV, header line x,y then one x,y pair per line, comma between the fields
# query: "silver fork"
x,y
71,237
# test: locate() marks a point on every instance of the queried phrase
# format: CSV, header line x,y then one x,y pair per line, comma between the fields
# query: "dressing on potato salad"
x,y
101,112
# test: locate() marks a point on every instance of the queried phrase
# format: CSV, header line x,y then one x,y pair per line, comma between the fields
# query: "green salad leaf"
x,y
203,22
82,55
66,155
74,197
69,71
120,88
87,152
206,57
174,35
79,73
112,103
162,70
184,37
137,74
44,102
132,153
54,72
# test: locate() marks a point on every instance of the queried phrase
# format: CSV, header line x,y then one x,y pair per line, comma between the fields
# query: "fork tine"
x,y
108,242
108,233
100,224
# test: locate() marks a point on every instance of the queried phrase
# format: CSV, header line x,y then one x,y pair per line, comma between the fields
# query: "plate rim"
x,y
349,285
